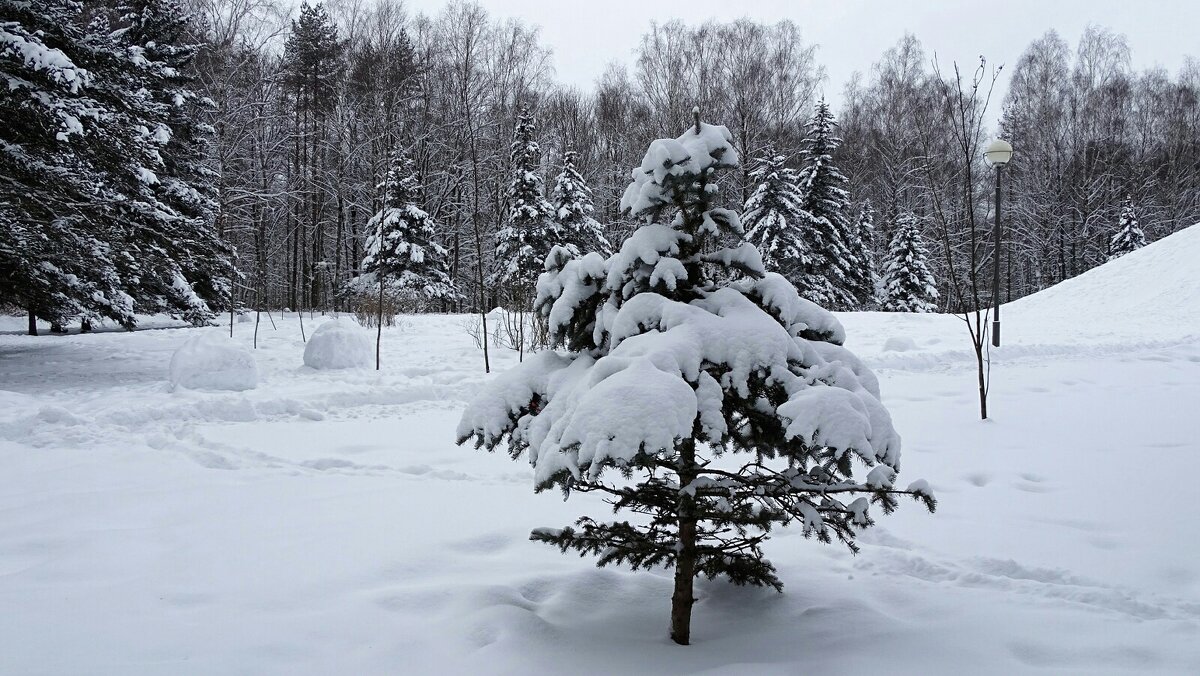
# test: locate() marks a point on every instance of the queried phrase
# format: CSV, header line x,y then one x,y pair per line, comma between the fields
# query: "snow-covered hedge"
x,y
339,344
211,361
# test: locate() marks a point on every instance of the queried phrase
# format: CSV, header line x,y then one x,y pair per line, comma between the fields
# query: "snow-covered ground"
x,y
325,522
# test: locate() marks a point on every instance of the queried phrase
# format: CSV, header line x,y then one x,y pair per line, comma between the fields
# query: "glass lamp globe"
x,y
998,153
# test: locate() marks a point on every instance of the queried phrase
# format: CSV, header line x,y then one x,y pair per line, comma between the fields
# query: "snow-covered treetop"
x,y
909,286
773,215
700,150
530,232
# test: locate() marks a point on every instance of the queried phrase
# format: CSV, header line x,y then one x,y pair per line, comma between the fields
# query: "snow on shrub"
x,y
211,361
339,344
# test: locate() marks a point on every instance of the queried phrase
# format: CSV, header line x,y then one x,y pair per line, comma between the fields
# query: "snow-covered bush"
x,y
725,402
212,361
339,344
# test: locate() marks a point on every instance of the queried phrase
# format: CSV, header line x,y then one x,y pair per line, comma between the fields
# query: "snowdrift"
x,y
1152,293
339,344
210,361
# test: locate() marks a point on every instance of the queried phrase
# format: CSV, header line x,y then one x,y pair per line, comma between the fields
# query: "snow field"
x,y
324,522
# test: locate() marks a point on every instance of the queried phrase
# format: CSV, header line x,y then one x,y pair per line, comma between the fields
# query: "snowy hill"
x,y
1150,294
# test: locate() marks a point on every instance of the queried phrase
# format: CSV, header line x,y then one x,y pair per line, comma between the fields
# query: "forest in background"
x,y
303,109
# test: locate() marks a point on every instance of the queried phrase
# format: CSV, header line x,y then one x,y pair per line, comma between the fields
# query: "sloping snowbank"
x,y
1150,294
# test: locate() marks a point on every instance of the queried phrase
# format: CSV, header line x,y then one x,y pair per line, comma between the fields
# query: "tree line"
x,y
274,166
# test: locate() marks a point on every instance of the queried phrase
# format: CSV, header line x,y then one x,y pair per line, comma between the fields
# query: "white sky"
x,y
586,35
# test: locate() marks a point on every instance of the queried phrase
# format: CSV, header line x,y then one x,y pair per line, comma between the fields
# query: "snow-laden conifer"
x,y
105,206
400,248
909,286
1129,235
723,400
573,209
401,259
772,215
865,228
530,229
835,274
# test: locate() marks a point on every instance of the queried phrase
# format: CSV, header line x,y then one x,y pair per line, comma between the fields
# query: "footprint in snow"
x,y
979,479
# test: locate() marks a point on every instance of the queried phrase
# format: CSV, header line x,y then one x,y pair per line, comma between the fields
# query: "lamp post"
x,y
997,155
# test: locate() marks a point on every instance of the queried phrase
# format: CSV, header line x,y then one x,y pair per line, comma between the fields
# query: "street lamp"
x,y
997,155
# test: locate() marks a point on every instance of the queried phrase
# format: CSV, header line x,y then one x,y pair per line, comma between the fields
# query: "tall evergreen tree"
x,y
97,198
679,350
1129,235
836,274
909,286
174,261
573,208
55,255
772,216
865,228
530,231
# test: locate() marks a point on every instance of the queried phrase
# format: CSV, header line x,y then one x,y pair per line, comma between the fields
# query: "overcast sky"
x,y
585,36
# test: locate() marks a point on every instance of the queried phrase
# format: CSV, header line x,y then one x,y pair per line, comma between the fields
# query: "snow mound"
x,y
339,344
899,344
210,361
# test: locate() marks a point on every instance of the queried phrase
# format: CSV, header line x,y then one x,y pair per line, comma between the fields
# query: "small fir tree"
x,y
725,402
772,215
573,208
1129,235
909,286
401,257
835,275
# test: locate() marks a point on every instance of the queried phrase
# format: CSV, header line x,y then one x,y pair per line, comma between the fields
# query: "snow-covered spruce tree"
x,y
772,215
864,229
573,208
402,257
1129,235
530,229
726,408
101,204
55,255
528,235
908,284
174,261
836,275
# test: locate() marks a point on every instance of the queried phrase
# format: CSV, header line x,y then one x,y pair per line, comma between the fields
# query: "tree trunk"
x,y
32,322
685,562
982,382
379,326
